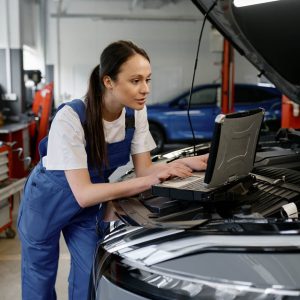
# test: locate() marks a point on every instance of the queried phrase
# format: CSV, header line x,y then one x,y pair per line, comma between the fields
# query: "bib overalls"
x,y
48,207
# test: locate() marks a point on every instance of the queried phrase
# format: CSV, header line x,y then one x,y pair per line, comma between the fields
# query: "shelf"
x,y
10,187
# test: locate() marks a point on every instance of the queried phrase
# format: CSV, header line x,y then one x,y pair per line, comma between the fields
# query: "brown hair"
x,y
111,60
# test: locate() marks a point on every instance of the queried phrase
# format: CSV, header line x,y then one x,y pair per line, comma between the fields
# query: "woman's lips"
x,y
141,101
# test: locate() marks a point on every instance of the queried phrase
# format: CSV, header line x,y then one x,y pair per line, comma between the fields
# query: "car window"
x,y
265,95
244,94
204,96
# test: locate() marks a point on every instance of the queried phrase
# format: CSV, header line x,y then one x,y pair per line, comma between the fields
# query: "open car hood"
x,y
267,34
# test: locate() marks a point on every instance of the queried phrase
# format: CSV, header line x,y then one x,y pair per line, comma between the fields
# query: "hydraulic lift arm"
x,y
227,91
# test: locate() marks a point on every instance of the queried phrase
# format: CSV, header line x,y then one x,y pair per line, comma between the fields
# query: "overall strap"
x,y
129,118
79,107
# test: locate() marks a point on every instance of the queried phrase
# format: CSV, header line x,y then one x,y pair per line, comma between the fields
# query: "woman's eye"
x,y
148,80
135,81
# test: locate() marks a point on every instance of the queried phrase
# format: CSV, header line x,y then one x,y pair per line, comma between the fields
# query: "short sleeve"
x,y
142,140
66,142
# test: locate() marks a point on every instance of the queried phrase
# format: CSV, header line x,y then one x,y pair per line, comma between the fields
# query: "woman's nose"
x,y
145,89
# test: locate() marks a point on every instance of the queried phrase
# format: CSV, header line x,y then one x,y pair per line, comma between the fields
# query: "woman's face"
x,y
132,85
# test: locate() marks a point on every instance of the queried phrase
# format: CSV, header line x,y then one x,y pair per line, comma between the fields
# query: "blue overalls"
x,y
48,207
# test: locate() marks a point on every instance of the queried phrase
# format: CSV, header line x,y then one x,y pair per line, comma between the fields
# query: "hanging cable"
x,y
194,72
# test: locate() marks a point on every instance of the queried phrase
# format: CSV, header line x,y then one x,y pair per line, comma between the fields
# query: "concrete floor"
x,y
10,263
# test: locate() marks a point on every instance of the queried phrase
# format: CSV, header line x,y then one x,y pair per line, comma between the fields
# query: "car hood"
x,y
266,34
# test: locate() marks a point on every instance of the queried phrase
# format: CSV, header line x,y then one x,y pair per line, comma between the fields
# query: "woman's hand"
x,y
169,171
158,177
196,163
179,168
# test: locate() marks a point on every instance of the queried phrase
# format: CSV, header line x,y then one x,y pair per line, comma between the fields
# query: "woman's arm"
x,y
87,193
182,167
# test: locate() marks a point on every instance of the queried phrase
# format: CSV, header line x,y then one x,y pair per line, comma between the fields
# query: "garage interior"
x,y
47,51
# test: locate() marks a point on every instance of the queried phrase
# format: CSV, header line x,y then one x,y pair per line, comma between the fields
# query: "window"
x,y
204,96
245,94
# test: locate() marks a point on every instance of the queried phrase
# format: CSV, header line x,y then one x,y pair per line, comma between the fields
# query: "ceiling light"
x,y
241,3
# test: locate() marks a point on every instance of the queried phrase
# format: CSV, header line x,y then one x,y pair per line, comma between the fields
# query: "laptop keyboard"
x,y
182,182
186,183
197,185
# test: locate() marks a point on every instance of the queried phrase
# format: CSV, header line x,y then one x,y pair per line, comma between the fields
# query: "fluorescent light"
x,y
241,3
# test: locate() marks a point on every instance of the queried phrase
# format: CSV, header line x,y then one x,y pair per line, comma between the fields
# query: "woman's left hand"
x,y
178,169
196,163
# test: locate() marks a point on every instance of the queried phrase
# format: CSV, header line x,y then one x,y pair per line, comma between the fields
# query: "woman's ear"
x,y
107,82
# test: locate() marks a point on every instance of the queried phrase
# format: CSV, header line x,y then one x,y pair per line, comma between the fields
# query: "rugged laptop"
x,y
231,158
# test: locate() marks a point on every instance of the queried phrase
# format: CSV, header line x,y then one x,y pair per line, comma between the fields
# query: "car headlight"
x,y
154,283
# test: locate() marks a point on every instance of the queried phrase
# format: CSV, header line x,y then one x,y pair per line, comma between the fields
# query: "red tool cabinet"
x,y
10,190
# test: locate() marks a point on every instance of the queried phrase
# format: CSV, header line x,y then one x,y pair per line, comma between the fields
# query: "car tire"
x,y
158,137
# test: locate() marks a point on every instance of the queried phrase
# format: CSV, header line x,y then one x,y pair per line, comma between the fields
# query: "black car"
x,y
245,242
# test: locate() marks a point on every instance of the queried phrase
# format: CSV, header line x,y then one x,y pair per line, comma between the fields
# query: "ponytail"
x,y
93,127
111,60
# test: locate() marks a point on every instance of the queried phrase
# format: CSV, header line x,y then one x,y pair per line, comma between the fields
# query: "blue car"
x,y
169,123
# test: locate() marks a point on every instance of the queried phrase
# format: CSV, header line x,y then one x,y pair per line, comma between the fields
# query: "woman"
x,y
87,141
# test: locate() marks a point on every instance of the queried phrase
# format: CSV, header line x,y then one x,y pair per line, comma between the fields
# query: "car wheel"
x,y
158,137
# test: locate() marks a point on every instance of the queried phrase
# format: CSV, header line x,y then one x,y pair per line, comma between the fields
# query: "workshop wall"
x,y
67,38
84,32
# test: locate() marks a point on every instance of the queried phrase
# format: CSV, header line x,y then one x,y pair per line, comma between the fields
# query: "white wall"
x,y
32,35
171,47
170,44
10,23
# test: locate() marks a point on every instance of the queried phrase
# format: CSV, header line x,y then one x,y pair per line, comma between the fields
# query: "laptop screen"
x,y
231,158
233,146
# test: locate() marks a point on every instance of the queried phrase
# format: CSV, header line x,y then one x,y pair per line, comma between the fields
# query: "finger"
x,y
178,164
164,177
181,173
180,167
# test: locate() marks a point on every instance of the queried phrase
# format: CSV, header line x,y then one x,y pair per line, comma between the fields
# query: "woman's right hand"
x,y
168,173
159,177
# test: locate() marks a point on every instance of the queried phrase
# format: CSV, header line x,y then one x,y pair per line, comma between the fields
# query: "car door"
x,y
203,110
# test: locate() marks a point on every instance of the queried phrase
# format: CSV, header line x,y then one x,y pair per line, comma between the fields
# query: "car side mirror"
x,y
182,103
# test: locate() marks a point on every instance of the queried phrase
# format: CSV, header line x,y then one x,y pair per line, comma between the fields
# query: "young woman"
x,y
87,141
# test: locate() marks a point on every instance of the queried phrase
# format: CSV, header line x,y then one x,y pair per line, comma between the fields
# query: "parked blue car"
x,y
169,123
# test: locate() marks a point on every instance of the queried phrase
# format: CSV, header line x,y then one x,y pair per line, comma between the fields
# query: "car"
x,y
168,121
241,245
244,242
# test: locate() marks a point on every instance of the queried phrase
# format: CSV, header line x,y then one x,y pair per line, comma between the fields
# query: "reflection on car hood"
x,y
180,265
150,247
266,34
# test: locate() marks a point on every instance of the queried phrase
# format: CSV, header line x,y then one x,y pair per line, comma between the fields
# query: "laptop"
x,y
231,158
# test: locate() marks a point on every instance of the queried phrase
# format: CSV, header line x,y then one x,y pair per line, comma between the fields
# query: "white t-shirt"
x,y
66,141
